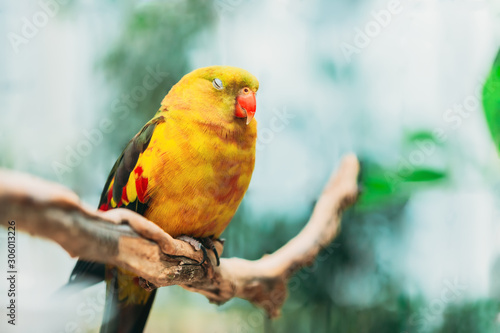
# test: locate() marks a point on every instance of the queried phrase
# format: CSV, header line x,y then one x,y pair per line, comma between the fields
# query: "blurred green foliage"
x,y
491,101
156,36
383,185
480,316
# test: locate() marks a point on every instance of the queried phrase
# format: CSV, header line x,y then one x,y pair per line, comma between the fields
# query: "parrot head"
x,y
215,95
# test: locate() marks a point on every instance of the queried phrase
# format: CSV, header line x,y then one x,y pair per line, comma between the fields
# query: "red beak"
x,y
246,106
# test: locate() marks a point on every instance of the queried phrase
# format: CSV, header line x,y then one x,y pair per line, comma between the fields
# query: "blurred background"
x,y
412,87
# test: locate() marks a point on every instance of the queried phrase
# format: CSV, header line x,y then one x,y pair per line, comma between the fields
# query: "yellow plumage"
x,y
197,176
187,170
200,160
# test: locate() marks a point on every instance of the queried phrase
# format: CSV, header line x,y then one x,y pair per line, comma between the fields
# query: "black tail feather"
x,y
121,316
87,272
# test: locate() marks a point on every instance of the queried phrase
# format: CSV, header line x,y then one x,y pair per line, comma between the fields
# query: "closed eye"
x,y
217,83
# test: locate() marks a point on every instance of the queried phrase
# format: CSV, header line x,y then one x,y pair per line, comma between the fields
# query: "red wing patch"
x,y
141,184
107,205
115,191
124,195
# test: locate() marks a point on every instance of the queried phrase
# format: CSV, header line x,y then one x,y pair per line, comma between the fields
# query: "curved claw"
x,y
205,255
216,256
203,244
208,242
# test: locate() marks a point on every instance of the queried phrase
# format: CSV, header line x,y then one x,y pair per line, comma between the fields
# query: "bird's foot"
x,y
203,244
209,243
196,244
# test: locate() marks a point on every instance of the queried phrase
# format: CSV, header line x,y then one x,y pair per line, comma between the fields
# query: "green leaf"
x,y
377,188
421,136
385,186
491,101
425,175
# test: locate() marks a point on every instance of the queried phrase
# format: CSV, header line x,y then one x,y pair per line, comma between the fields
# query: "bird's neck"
x,y
235,131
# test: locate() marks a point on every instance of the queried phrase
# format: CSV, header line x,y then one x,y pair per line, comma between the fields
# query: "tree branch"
x,y
123,238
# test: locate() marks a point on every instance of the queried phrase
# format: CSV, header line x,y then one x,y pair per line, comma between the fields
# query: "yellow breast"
x,y
198,175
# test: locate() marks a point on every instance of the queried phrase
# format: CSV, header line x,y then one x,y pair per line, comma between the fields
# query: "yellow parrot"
x,y
187,170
